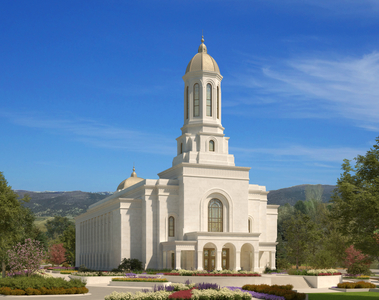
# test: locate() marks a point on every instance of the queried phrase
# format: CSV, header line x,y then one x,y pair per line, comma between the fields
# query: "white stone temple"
x,y
201,213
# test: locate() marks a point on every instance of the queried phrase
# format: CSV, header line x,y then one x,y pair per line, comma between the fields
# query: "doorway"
x,y
209,259
225,258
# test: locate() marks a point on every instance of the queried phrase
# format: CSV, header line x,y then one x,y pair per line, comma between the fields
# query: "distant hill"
x,y
295,193
47,204
72,204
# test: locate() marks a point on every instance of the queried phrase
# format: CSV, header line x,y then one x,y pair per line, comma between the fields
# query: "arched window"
x,y
181,148
187,103
196,100
209,100
171,226
211,146
218,103
215,219
249,225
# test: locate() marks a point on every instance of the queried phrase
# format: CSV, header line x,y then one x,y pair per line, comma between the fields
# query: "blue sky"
x,y
87,88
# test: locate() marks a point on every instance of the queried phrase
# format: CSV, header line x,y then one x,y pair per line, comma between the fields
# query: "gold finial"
x,y
134,172
202,35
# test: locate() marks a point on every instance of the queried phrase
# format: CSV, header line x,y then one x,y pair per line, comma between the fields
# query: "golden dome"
x,y
132,180
202,61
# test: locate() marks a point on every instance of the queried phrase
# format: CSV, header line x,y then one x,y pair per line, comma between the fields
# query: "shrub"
x,y
356,285
83,268
278,290
27,256
357,262
130,264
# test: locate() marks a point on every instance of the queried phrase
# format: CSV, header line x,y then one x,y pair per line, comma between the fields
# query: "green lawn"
x,y
340,296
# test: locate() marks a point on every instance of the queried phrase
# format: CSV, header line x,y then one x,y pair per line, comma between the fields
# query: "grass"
x,y
342,296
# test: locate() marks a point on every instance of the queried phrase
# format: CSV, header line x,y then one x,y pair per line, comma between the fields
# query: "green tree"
x,y
356,201
300,231
15,220
68,240
57,226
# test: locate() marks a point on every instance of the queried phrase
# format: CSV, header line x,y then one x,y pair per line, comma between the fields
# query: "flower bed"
x,y
99,274
213,273
68,272
356,285
141,279
37,285
284,291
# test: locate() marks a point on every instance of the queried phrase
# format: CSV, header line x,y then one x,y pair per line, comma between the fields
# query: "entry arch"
x,y
247,257
210,256
230,263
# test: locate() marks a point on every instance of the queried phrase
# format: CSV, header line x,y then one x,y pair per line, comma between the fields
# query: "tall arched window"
x,y
211,146
209,100
218,103
187,103
181,148
215,218
249,225
196,100
171,226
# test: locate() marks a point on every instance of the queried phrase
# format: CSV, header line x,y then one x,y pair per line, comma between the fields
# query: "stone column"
x,y
272,260
238,261
256,261
219,260
199,255
178,259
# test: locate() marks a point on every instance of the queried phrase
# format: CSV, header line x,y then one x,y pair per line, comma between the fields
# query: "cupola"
x,y
202,61
132,180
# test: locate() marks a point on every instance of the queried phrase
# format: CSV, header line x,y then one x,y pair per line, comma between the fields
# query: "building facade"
x,y
201,213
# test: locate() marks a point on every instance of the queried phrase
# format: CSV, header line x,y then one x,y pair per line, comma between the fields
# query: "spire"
x,y
134,174
202,47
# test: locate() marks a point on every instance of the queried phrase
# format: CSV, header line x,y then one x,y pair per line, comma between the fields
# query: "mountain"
x,y
71,204
47,204
295,193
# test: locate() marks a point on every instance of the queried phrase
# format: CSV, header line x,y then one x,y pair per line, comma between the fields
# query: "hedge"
x,y
277,290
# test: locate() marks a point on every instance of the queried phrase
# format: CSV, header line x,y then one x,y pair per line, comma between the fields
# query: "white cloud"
x,y
97,134
345,88
302,153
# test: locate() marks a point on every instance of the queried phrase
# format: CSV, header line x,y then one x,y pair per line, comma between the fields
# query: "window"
x,y
211,146
171,226
196,100
218,103
187,103
249,226
181,148
209,100
215,218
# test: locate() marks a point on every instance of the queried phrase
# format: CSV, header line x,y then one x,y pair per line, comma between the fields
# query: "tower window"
x,y
196,100
249,226
211,146
187,103
181,148
218,103
171,226
209,100
215,218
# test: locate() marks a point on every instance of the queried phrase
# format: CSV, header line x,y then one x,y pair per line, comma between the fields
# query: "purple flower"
x,y
257,295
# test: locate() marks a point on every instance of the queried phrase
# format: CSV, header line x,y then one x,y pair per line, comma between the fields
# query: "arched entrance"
x,y
209,256
228,255
247,257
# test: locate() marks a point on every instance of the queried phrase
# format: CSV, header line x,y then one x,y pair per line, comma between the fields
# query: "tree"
x,y
15,220
68,240
299,232
57,254
26,258
357,262
57,226
356,201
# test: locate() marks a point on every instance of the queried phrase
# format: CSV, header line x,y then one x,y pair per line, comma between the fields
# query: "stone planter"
x,y
220,280
352,290
138,284
95,279
323,281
